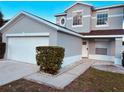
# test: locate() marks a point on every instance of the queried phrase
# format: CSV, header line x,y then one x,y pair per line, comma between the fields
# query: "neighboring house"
x,y
84,31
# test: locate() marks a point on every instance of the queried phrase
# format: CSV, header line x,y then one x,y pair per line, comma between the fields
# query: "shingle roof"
x,y
61,14
105,32
108,7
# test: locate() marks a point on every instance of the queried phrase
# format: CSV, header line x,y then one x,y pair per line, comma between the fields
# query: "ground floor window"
x,y
101,51
102,46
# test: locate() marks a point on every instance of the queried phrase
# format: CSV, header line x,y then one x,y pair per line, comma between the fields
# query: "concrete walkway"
x,y
12,70
63,79
110,68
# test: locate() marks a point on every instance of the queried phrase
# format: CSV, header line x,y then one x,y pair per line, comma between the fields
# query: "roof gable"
x,y
77,4
57,27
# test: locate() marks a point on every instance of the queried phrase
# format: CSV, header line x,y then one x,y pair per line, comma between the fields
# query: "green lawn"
x,y
91,80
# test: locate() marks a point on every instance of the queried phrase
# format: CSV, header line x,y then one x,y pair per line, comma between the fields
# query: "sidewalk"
x,y
61,80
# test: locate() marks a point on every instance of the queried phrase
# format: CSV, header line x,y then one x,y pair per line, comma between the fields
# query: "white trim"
x,y
86,15
93,17
116,15
106,25
103,36
27,34
82,19
69,18
123,38
101,57
118,61
87,48
106,10
75,11
119,38
43,21
103,12
61,20
70,60
77,25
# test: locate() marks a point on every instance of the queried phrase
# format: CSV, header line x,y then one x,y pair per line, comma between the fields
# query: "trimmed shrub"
x,y
49,58
2,50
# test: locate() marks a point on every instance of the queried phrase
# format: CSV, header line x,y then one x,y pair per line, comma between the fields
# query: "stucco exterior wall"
x,y
115,19
119,48
110,47
29,25
86,20
91,46
58,20
72,44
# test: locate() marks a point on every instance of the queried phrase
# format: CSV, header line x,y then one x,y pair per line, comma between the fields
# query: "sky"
x,y
44,9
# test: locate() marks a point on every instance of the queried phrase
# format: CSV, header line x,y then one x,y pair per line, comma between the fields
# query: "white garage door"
x,y
23,49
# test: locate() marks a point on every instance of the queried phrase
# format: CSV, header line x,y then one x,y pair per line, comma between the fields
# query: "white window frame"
x,y
61,19
102,12
82,18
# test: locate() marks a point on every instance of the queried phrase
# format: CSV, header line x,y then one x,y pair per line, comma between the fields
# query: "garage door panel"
x,y
24,48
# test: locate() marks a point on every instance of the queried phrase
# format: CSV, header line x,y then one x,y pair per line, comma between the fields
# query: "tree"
x,y
2,20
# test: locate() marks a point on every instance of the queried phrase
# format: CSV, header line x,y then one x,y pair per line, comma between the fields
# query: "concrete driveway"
x,y
12,70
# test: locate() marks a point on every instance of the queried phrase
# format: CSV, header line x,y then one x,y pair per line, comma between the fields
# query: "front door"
x,y
85,48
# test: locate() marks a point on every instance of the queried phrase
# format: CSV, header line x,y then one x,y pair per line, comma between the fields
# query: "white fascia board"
x,y
27,34
103,36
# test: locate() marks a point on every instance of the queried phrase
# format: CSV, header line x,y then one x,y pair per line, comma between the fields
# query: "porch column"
x,y
118,51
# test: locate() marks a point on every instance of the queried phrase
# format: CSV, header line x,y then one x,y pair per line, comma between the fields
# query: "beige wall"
x,y
72,44
86,18
58,19
110,47
29,25
115,19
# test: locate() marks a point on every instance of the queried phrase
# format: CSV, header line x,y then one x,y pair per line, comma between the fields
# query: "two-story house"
x,y
102,29
82,29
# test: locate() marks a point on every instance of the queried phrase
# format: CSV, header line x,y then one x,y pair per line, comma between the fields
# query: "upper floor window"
x,y
77,18
62,21
102,19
